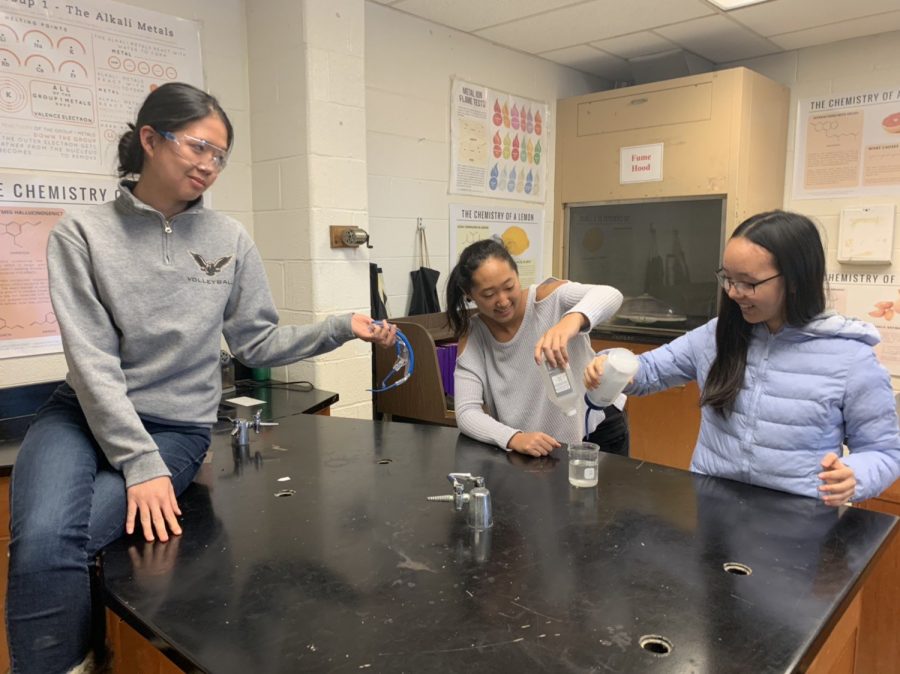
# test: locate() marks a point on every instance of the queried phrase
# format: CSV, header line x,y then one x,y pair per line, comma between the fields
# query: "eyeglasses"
x,y
740,286
197,151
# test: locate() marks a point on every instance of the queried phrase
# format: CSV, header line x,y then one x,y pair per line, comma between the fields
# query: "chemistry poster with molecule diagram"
x,y
73,73
848,145
498,143
29,207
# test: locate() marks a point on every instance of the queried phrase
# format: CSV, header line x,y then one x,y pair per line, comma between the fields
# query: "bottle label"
x,y
560,382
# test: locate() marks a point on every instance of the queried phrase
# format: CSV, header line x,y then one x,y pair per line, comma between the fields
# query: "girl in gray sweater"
x,y
143,289
499,393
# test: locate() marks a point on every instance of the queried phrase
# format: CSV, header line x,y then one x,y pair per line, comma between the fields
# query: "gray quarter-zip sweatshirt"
x,y
142,303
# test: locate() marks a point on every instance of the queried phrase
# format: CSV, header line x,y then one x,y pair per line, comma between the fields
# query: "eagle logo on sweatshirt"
x,y
210,268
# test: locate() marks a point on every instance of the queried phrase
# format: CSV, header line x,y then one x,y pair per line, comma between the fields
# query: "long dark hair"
x,y
460,283
169,107
794,242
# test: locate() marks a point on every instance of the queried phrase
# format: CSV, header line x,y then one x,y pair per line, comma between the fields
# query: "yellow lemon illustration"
x,y
516,240
593,240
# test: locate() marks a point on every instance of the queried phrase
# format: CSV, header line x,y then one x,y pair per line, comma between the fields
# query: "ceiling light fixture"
x,y
728,5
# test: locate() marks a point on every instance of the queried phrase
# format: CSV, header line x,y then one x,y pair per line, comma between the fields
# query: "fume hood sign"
x,y
641,164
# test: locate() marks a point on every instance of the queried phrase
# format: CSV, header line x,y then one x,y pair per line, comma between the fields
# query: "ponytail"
x,y
131,153
457,314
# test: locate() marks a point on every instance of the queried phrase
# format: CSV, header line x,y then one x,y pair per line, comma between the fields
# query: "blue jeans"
x,y
68,502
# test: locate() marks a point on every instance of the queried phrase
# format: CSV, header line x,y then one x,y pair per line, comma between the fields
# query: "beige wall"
x,y
410,64
307,86
851,66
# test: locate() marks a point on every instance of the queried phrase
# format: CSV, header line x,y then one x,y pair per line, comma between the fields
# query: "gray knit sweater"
x,y
142,304
502,377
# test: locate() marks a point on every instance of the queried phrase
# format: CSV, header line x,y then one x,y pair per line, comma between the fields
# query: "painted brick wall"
x,y
847,67
409,67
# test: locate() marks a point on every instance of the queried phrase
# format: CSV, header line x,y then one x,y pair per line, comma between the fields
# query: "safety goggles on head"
x,y
405,363
197,151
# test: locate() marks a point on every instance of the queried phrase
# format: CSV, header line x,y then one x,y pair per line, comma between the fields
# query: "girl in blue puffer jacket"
x,y
784,383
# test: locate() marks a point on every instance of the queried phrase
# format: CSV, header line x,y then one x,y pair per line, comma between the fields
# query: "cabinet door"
x,y
663,426
692,117
4,568
879,636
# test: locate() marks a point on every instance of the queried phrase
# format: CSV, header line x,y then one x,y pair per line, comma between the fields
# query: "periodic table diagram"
x,y
69,84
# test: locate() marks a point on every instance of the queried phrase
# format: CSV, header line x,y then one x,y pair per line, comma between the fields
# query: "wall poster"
x,y
874,297
72,74
498,144
29,207
848,145
521,230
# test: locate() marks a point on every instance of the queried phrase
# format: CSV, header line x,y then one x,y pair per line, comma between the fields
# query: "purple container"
x,y
446,356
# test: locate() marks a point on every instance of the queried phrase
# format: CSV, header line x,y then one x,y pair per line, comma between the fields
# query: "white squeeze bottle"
x,y
560,387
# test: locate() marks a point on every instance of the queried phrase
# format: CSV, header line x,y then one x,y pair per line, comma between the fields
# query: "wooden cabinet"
x,y
663,426
4,568
422,398
879,639
723,134
132,653
842,646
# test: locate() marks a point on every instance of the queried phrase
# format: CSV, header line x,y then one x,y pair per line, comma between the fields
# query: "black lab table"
x,y
352,569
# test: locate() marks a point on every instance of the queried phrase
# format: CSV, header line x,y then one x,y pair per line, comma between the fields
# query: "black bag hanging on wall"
x,y
424,298
377,298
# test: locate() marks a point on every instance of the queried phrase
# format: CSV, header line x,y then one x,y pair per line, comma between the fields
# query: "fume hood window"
x,y
662,255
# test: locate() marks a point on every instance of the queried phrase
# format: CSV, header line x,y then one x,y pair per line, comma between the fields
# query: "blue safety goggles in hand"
x,y
405,362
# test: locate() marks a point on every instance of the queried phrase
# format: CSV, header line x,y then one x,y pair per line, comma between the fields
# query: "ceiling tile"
x,y
565,30
470,15
591,21
784,16
590,60
636,44
836,32
718,39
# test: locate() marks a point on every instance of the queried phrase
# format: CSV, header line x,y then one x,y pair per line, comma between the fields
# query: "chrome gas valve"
x,y
477,501
240,434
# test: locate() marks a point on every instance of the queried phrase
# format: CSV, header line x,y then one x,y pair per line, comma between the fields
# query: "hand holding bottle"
x,y
608,374
552,346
